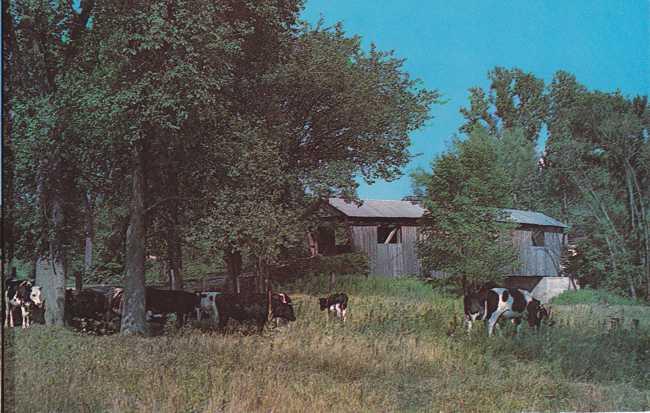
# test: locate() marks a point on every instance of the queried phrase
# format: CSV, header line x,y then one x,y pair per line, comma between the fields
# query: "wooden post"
x,y
78,282
332,281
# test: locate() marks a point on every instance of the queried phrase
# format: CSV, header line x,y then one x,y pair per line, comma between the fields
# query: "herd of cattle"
x,y
105,304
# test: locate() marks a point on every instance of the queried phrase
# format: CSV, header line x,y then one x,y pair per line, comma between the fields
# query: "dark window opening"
x,y
538,238
390,233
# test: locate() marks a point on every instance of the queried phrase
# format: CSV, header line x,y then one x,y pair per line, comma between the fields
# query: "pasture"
x,y
403,348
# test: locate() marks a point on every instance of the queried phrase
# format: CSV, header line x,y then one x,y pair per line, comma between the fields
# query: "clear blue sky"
x,y
451,45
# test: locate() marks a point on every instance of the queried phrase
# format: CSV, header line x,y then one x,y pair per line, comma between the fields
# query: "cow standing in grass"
x,y
490,305
23,295
336,305
178,302
253,307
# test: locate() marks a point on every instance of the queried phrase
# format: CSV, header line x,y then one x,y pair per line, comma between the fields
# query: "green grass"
x,y
590,296
402,349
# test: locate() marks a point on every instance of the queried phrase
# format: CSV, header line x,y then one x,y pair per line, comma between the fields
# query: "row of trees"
x,y
147,123
593,174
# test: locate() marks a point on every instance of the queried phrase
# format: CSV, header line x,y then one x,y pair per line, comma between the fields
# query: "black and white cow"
x,y
253,307
490,305
21,294
336,305
208,304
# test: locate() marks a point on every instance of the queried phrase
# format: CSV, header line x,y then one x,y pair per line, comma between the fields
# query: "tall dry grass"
x,y
402,349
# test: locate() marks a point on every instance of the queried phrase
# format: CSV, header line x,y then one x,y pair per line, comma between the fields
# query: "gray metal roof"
x,y
533,218
406,209
378,209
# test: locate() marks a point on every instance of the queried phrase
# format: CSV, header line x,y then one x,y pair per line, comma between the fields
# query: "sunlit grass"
x,y
402,349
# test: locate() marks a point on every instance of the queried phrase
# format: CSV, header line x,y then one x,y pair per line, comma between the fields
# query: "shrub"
x,y
590,296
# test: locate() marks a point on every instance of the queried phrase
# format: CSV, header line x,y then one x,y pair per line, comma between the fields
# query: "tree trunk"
x,y
174,259
233,263
7,150
90,234
133,315
174,249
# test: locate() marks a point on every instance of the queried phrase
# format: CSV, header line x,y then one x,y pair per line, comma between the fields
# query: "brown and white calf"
x,y
336,305
490,305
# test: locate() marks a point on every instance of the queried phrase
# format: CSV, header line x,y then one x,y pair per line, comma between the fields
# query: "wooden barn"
x,y
385,230
388,231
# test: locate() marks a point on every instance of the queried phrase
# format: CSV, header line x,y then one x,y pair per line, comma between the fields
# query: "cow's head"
x,y
37,296
282,307
544,313
323,303
474,306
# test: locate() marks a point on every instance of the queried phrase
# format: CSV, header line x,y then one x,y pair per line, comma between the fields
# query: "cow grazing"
x,y
490,305
253,307
21,294
208,304
179,302
336,305
87,304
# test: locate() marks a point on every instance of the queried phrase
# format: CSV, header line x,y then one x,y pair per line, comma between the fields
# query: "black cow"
x,y
181,303
491,304
336,305
253,307
24,295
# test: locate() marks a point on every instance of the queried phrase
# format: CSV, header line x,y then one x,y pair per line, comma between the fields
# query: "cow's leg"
x,y
215,312
25,314
198,314
7,312
344,313
517,322
492,321
11,316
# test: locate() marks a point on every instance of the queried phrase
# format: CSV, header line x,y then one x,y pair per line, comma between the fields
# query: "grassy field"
x,y
402,349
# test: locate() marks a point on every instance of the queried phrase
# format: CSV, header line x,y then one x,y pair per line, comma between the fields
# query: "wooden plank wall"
x,y
391,260
409,241
364,239
539,261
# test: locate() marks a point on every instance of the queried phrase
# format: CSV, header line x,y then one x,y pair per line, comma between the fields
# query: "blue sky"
x,y
451,45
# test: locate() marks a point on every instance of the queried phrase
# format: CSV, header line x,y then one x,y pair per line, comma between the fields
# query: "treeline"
x,y
593,174
134,127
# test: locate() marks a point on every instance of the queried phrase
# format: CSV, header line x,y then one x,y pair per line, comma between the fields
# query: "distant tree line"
x,y
134,127
594,173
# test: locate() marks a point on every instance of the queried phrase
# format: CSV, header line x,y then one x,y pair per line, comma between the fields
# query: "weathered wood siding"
x,y
391,260
409,242
364,239
538,261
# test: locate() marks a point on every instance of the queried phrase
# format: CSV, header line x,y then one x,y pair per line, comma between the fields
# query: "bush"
x,y
590,296
350,263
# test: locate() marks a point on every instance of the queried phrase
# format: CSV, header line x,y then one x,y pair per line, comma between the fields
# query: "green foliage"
x,y
461,235
350,263
591,296
596,146
516,100
516,155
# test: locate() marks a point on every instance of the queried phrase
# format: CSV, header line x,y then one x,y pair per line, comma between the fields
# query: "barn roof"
x,y
407,209
533,218
378,209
